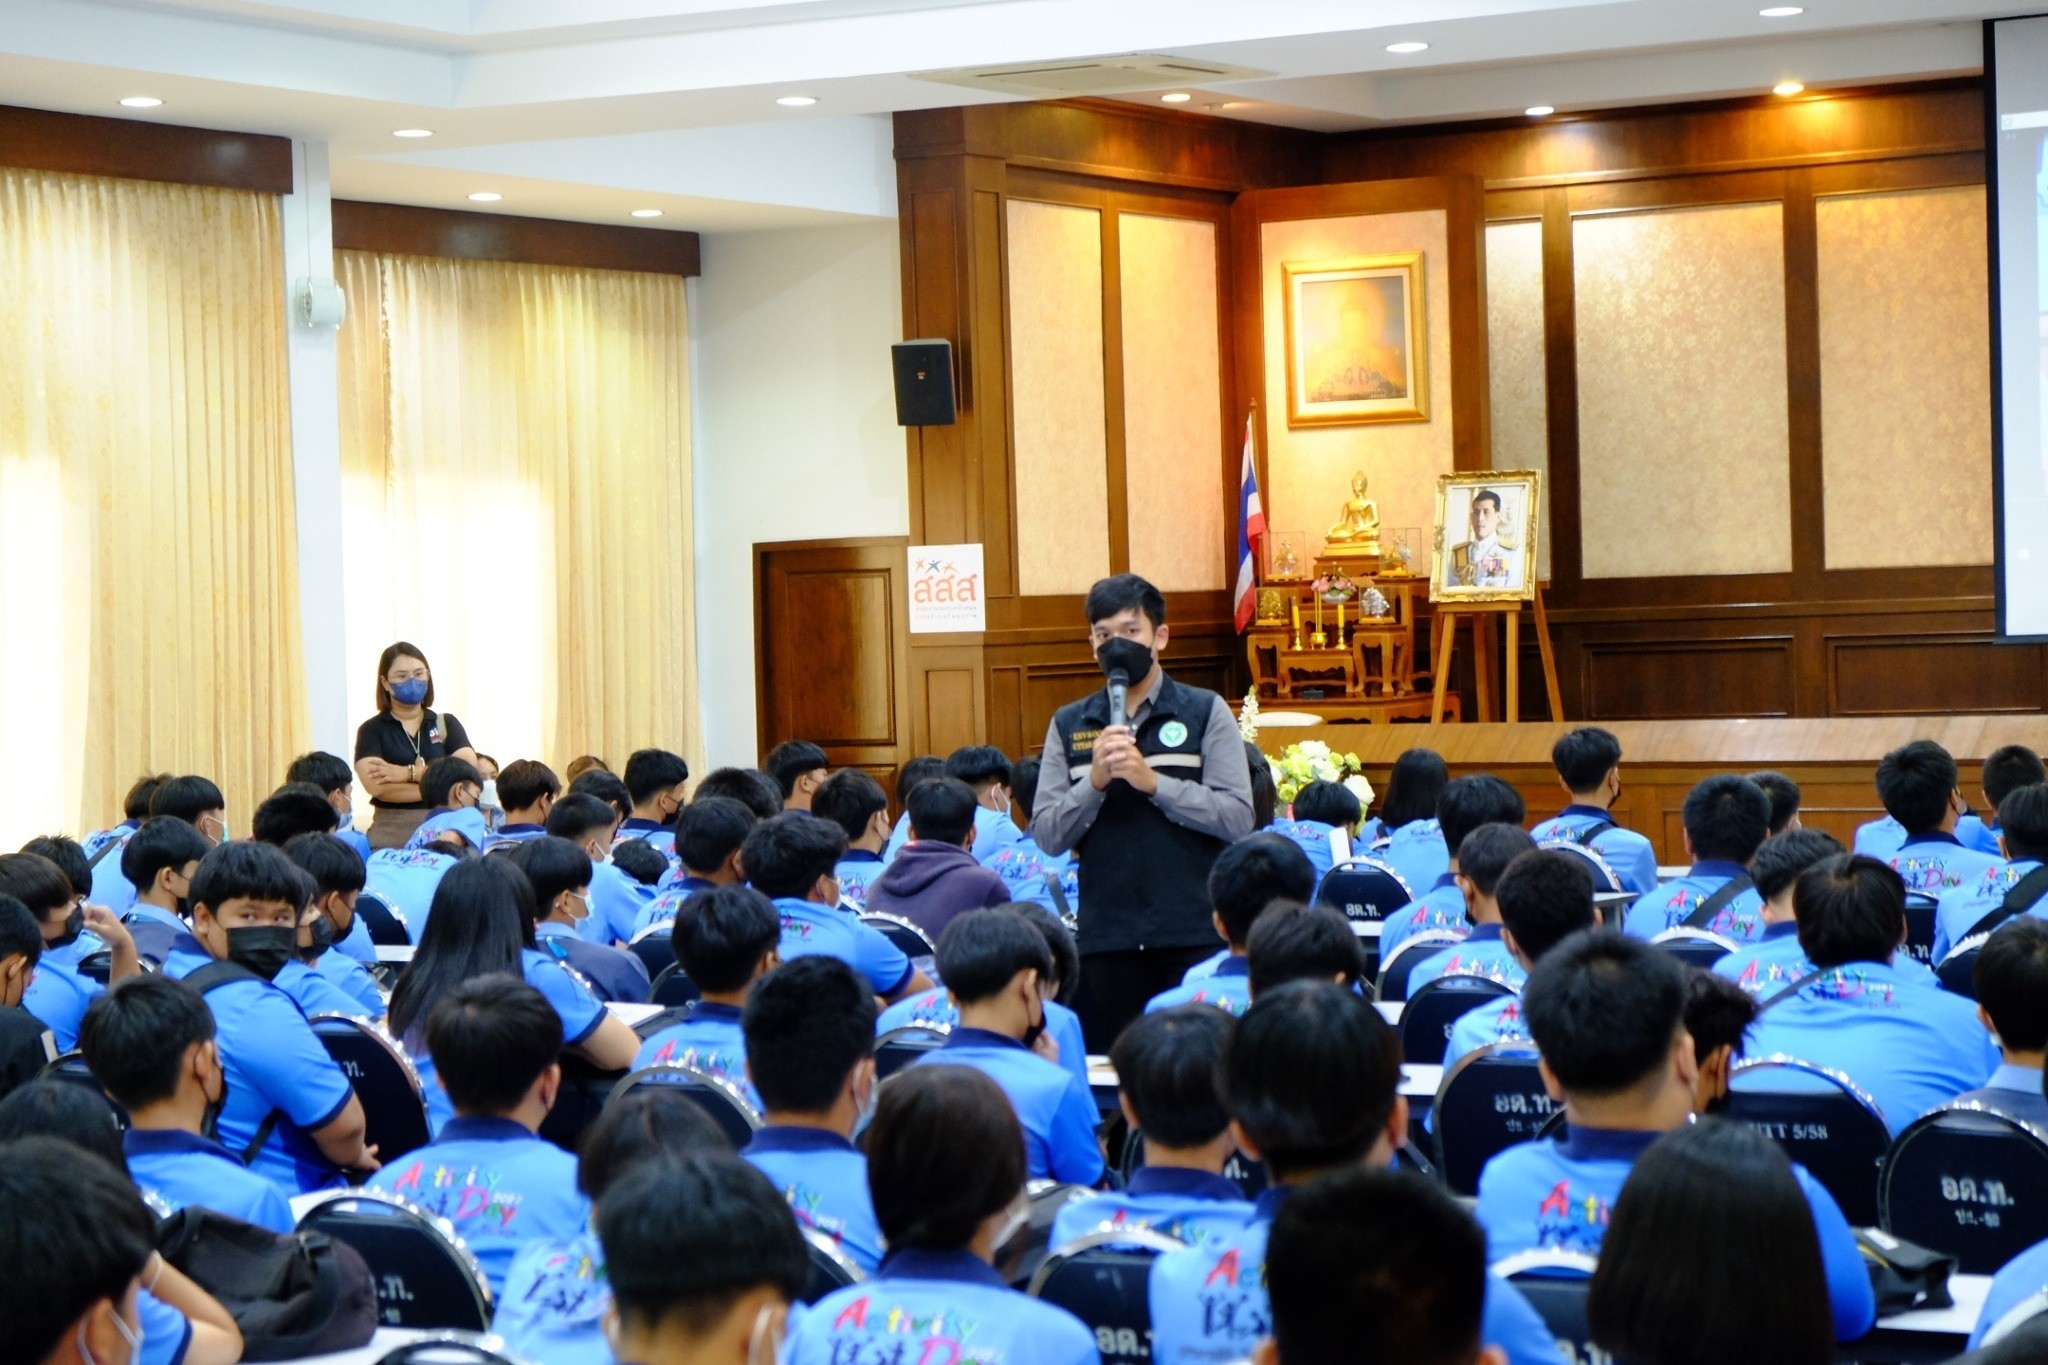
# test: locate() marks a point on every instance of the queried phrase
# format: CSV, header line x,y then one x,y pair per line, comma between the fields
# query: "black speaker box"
x,y
924,383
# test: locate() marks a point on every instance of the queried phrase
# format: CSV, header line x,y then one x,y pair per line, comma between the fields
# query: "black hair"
x,y
1328,803
69,857
1781,859
524,781
162,842
920,769
1166,1064
944,1153
785,856
1915,781
36,882
79,1115
2011,981
650,1124
2023,821
607,786
136,1035
1603,1009
552,865
481,916
1265,796
1310,1073
1718,1013
640,860
332,864
1292,942
1545,896
1584,757
1414,788
2009,768
981,951
1251,874
941,810
1486,852
19,935
1024,788
443,776
1850,909
328,772
709,829
650,772
1711,1256
135,805
721,935
72,1233
1784,796
850,799
749,786
246,871
1382,1247
576,815
295,808
1121,592
187,797
1469,802
979,764
1727,818
491,1038
790,760
1059,941
807,1025
1488,495
684,1240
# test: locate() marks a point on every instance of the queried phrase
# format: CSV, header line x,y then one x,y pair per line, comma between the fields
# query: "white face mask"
x,y
490,793
134,1336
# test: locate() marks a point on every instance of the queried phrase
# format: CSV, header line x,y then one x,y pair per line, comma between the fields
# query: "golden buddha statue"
x,y
1357,532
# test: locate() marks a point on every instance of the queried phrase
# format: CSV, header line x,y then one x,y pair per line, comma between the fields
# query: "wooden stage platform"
x,y
1833,761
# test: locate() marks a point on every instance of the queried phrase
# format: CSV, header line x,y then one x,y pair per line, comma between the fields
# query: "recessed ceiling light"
x,y
1787,88
647,213
1781,11
796,101
1177,97
1403,49
141,102
487,196
1539,111
413,132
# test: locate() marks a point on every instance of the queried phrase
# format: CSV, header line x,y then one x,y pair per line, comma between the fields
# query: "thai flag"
x,y
1251,529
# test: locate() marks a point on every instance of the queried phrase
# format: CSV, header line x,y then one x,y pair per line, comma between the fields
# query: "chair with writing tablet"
x,y
385,1080
1396,966
1104,1279
655,947
386,926
1427,1018
1920,916
672,987
1365,889
718,1098
831,1268
905,937
423,1271
1968,1181
902,1047
1695,947
1488,1101
1822,1120
1555,1283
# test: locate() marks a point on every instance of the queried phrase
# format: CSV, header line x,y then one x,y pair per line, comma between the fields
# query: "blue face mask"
x,y
411,692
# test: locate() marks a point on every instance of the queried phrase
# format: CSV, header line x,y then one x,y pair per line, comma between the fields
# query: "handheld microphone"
x,y
1119,685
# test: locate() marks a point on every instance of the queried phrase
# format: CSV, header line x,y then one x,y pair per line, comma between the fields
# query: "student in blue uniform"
x,y
1545,897
1588,763
986,771
656,780
750,787
527,790
1032,874
709,834
1726,819
607,787
2018,887
725,941
1784,796
946,1167
798,768
1302,943
59,993
1608,1016
1247,876
810,1042
920,769
1166,1082
1775,959
2009,768
1321,821
790,860
937,876
560,874
338,879
1482,856
150,1044
295,808
1902,1039
1410,838
1311,1077
494,1041
994,965
1917,783
1718,1014
191,798
313,993
855,802
102,846
159,860
406,878
337,782
2011,980
1465,805
290,1115
616,900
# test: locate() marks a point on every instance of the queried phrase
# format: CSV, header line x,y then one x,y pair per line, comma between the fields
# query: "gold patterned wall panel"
x,y
1054,253
1173,398
1684,448
1905,364
1310,468
1515,363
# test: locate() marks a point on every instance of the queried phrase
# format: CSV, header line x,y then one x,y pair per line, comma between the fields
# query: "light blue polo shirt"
x,y
2024,1275
932,1307
1024,866
520,832
1416,850
1632,857
405,879
58,994
855,873
579,1010
824,1179
154,930
1228,988
1776,960
498,1183
1196,1207
668,902
345,972
1496,1021
993,832
709,1041
183,1168
657,836
809,928
1442,907
934,1009
1933,863
1056,1111
315,994
1483,953
1880,839
552,1307
1673,903
616,901
1961,908
1313,838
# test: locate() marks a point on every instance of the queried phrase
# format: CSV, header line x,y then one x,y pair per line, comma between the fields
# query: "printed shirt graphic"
x,y
936,1308
1194,1206
1670,905
808,928
1416,850
1932,864
500,1186
1311,837
934,1009
552,1308
1497,1021
824,1180
710,1041
1776,960
1442,907
405,879
1481,954
1228,988
1023,866
854,872
1631,856
1963,906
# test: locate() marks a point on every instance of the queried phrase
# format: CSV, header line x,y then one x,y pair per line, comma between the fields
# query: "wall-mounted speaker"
x,y
924,383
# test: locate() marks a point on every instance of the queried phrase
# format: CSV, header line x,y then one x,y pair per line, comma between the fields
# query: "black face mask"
x,y
209,1121
263,948
1130,656
74,925
323,936
1035,1031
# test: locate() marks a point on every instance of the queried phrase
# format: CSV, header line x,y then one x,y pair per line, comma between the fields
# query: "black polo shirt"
x,y
381,736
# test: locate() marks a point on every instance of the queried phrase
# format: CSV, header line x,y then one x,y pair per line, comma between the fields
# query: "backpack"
x,y
291,1294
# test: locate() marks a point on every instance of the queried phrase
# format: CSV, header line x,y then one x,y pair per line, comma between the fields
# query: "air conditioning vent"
x,y
1092,75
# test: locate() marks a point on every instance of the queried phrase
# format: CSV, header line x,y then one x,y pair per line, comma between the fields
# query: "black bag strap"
x,y
1703,914
2020,899
1584,838
1794,988
208,978
108,847
1059,895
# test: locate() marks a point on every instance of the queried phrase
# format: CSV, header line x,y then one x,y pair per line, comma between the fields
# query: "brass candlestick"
x,y
1295,604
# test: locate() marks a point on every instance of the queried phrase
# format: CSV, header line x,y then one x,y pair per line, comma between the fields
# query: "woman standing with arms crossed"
x,y
394,747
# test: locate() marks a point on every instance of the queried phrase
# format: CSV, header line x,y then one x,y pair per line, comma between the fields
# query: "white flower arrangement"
x,y
1311,760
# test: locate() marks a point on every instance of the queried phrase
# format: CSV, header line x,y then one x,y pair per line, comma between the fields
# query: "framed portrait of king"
x,y
1357,343
1485,549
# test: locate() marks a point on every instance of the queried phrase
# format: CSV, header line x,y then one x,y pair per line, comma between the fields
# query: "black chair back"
x,y
1367,890
1488,1101
831,1268
1958,971
99,966
1920,915
671,987
1837,1133
1695,947
1427,1017
385,1080
1967,1181
655,947
386,928
901,1047
1249,1175
1555,1284
451,1348
1104,1279
585,1091
1395,967
727,1107
1605,878
906,937
424,1274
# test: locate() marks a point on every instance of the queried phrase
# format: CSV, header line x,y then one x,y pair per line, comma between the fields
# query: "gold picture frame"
x,y
1480,556
1357,340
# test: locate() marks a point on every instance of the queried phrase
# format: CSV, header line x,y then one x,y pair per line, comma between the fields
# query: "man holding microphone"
x,y
1145,780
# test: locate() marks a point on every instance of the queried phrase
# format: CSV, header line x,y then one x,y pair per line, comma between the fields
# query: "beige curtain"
x,y
516,498
148,578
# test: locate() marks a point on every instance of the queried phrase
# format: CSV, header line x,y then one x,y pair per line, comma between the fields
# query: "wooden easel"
x,y
1481,615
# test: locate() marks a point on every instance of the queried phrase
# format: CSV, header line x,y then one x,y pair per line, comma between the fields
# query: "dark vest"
x,y
1144,879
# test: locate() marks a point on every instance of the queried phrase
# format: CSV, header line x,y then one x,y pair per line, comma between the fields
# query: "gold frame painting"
x,y
1357,340
1503,571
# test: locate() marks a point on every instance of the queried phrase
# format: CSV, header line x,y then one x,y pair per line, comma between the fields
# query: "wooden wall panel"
x,y
1642,680
1902,675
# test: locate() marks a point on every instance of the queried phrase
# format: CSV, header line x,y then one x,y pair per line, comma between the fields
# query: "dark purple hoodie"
x,y
929,883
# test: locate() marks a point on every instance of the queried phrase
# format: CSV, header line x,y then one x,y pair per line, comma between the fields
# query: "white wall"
x,y
795,434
